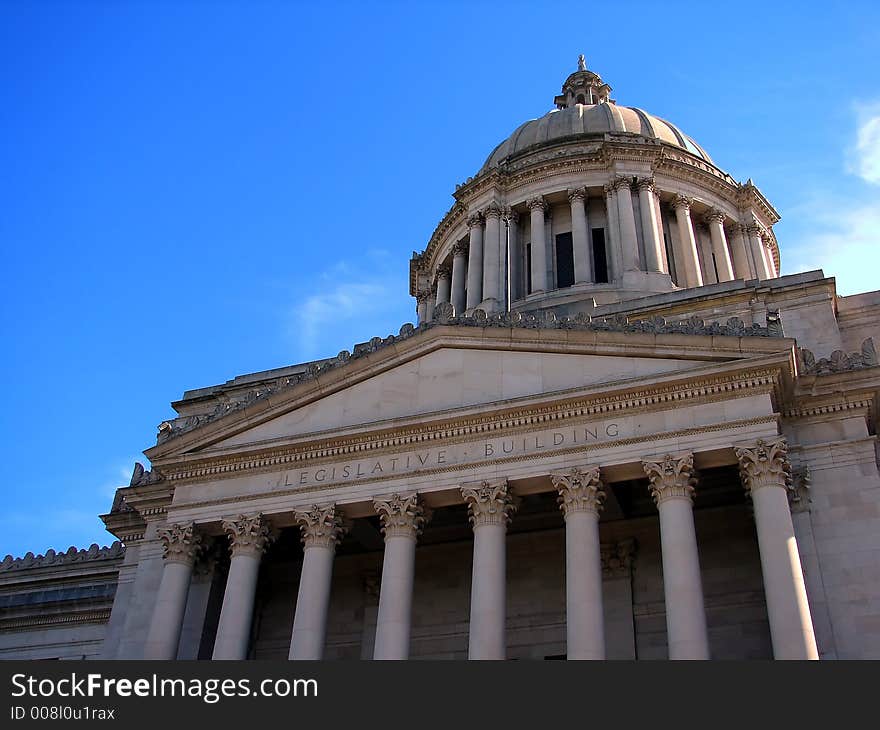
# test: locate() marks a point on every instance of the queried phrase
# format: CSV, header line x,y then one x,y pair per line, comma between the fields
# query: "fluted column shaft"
x,y
687,258
765,471
321,528
580,497
490,505
650,231
758,254
422,306
492,259
629,242
181,544
459,264
672,486
723,265
766,241
537,206
513,259
443,290
580,235
402,519
475,262
739,251
248,536
613,238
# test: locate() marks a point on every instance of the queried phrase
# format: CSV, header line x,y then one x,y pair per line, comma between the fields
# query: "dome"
x,y
591,120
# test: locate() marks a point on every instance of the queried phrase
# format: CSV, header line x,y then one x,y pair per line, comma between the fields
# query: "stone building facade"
x,y
617,431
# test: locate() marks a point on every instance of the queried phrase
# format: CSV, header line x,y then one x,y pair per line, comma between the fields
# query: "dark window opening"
x,y
600,260
564,260
580,99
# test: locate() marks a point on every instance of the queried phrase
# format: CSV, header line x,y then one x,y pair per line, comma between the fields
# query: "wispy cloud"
x,y
865,155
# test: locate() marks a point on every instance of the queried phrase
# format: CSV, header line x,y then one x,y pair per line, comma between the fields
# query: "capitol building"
x,y
616,430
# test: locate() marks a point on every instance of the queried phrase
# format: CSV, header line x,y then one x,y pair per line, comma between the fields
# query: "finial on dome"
x,y
582,64
583,87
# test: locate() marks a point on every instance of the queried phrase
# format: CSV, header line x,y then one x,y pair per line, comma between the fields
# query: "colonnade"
x,y
478,273
491,505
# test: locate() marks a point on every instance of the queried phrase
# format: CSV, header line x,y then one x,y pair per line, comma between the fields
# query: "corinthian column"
x,y
715,221
580,497
490,505
765,473
758,256
513,260
739,251
181,545
443,276
459,264
650,231
537,206
612,241
686,254
672,486
248,537
580,235
492,258
475,261
422,306
629,243
767,243
322,528
402,521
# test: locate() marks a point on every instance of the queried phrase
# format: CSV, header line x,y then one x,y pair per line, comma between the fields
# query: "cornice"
x,y
100,616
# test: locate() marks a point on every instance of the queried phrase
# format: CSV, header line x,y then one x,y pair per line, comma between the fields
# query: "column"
x,y
580,235
767,241
181,545
629,242
402,520
422,306
739,251
321,528
429,302
490,505
443,277
650,230
580,497
459,264
686,256
612,240
672,486
765,473
513,259
715,221
538,258
475,261
757,247
492,258
248,537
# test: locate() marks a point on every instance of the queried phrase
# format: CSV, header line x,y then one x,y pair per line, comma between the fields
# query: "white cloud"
x,y
865,156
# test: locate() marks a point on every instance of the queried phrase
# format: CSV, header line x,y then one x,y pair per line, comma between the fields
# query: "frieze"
x,y
839,361
72,555
444,315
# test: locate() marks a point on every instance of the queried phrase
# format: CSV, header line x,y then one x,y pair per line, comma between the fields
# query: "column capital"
x,y
493,210
320,525
617,558
753,230
489,502
609,189
577,194
646,183
444,272
180,542
764,464
474,220
713,215
622,181
671,478
681,201
422,296
248,534
460,249
402,516
509,214
580,489
536,203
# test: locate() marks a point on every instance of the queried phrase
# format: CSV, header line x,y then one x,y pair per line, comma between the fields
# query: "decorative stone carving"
x,y
444,272
580,489
713,214
839,361
646,183
764,465
509,215
248,534
622,182
71,555
577,194
680,201
489,503
180,542
321,525
617,558
493,210
799,490
671,478
141,477
460,249
539,202
444,313
401,516
474,220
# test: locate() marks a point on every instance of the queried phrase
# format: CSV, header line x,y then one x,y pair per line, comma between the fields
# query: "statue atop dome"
x,y
582,64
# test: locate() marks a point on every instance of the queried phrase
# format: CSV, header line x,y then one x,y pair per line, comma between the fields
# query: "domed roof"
x,y
573,119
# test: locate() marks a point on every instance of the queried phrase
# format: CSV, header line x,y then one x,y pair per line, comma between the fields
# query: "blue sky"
x,y
192,191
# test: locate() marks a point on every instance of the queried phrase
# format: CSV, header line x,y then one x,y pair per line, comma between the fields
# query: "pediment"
x,y
445,371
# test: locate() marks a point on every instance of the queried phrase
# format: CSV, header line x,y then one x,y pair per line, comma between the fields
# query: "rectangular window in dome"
x,y
564,261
